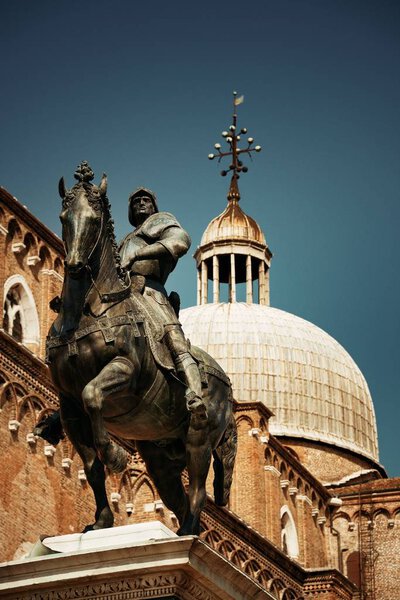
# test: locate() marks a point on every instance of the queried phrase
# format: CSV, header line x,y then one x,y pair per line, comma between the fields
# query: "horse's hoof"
x,y
183,531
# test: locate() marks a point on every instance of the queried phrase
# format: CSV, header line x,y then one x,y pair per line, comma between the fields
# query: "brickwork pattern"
x,y
44,489
278,484
369,528
34,255
327,463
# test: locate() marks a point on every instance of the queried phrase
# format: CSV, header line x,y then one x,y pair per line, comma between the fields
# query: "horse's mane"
x,y
109,221
101,203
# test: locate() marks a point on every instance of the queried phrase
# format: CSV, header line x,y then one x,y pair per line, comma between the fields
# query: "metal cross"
x,y
232,138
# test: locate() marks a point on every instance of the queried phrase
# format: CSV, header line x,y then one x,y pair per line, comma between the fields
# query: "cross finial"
x,y
232,137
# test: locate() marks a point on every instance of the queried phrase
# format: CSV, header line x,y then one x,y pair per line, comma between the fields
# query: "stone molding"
x,y
319,584
272,469
21,212
19,363
303,498
185,567
52,273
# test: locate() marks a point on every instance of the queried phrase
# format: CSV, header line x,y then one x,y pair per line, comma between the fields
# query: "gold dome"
x,y
233,224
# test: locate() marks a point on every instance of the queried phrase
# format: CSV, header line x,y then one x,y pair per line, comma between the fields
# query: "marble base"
x,y
115,537
113,564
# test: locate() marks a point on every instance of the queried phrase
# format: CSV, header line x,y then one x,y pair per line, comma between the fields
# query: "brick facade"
x,y
282,527
328,463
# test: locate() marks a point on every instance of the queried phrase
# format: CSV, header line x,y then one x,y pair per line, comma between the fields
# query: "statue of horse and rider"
x,y
120,361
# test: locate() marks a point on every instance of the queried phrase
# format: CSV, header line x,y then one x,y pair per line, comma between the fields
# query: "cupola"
x,y
233,249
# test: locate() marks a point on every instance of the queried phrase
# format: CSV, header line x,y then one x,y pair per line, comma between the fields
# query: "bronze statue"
x,y
152,250
113,372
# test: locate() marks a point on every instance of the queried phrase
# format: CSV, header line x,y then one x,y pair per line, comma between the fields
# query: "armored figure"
x,y
152,251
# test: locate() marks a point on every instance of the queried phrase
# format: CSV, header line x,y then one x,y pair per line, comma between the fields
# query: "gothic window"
x,y
354,568
12,322
290,544
20,318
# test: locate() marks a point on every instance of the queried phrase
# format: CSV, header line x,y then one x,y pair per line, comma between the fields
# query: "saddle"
x,y
155,311
161,311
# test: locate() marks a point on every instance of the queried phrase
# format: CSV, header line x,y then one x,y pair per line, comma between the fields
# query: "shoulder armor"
x,y
157,223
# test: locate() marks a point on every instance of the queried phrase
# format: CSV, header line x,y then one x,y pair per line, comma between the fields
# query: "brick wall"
x,y
327,463
369,528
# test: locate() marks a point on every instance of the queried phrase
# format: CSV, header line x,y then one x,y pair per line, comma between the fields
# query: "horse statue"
x,y
110,385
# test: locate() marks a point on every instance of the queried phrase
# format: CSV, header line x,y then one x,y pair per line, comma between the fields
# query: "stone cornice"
x,y
324,580
31,221
300,469
230,523
250,406
183,566
20,360
321,579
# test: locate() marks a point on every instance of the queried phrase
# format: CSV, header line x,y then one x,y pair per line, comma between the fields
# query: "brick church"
x,y
312,513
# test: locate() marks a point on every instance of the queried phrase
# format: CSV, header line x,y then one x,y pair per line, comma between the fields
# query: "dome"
x,y
233,224
304,376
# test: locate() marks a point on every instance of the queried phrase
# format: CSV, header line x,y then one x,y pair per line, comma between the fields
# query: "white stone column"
x,y
215,278
261,282
249,281
266,295
198,286
204,282
232,280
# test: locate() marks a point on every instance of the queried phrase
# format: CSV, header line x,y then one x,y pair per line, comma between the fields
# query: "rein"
x,y
108,296
102,322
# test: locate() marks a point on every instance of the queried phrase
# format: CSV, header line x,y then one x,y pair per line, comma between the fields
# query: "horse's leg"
x,y
77,426
166,475
198,458
116,376
224,460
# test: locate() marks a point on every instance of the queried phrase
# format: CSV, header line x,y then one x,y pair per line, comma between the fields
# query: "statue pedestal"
x,y
145,560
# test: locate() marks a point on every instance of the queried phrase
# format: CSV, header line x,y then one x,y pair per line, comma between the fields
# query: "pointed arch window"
x,y
20,317
290,543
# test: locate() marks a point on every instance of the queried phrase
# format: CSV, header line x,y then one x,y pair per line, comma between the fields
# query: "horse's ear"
x,y
103,185
61,188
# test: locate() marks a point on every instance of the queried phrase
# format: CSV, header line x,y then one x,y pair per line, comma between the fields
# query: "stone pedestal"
x,y
124,563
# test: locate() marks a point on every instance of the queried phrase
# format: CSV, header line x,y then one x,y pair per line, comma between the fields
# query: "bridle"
x,y
108,296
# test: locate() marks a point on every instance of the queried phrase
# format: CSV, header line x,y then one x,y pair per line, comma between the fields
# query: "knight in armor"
x,y
152,250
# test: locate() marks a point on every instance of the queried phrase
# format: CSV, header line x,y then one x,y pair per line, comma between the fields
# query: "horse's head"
x,y
81,218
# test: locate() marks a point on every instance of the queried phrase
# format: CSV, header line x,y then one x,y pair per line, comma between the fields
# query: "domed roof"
x,y
233,224
308,380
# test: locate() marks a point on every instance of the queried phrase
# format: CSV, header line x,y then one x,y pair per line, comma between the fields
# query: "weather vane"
x,y
232,137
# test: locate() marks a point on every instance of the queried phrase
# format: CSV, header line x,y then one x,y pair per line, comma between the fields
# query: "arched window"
x,y
20,317
354,568
290,543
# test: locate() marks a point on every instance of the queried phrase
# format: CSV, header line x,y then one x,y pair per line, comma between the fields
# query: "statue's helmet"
x,y
138,193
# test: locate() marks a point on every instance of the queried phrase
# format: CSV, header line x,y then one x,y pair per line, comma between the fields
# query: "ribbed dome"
x,y
233,224
312,385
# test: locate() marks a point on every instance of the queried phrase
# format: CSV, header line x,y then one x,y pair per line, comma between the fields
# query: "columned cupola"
x,y
233,249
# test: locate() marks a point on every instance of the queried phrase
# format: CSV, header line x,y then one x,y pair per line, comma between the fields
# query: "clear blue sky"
x,y
143,90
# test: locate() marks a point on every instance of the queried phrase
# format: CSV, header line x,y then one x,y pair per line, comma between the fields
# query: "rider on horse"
x,y
152,250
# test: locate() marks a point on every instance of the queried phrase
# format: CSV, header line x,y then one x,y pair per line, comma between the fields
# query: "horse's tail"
x,y
224,460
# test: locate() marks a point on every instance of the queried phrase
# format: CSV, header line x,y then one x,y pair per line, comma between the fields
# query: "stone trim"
x,y
185,567
20,211
52,273
21,364
272,469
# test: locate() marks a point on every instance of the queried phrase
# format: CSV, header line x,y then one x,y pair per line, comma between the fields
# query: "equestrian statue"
x,y
127,377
